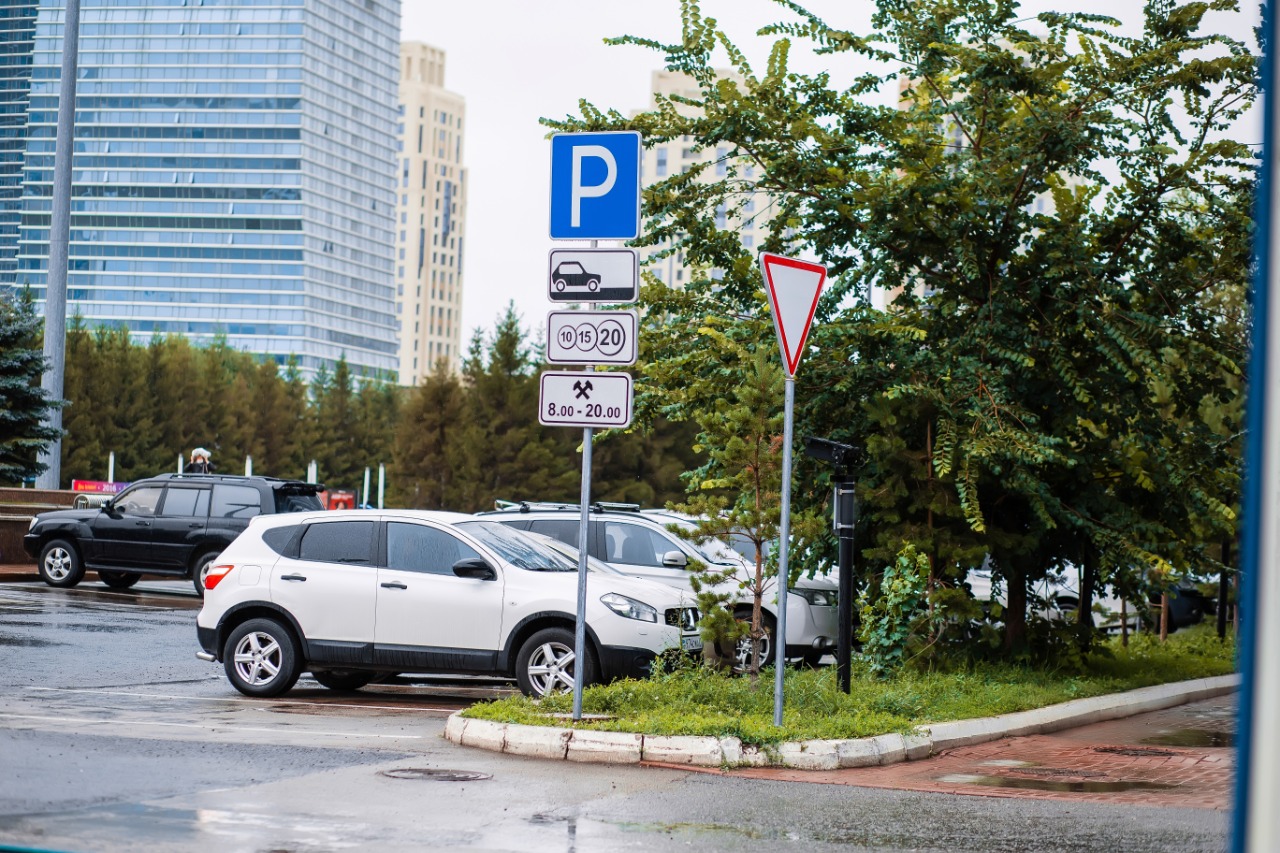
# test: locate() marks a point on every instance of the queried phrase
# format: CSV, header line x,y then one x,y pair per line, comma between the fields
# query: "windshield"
x,y
517,548
712,550
593,565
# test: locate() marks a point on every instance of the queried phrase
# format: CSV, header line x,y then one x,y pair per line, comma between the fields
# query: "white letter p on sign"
x,y
577,191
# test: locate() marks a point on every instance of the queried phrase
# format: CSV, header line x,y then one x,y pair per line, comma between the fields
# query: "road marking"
x,y
251,702
220,727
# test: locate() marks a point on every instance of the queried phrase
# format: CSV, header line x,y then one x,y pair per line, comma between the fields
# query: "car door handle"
x,y
293,577
394,585
142,523
195,524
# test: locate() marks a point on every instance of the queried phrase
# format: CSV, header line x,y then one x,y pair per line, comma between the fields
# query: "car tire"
x,y
545,663
741,656
60,564
118,580
593,284
200,568
560,285
343,680
261,658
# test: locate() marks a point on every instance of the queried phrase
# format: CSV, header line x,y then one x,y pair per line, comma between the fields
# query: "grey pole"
x,y
580,627
784,546
584,523
55,298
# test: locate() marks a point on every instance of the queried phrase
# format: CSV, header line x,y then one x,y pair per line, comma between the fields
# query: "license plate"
x,y
691,644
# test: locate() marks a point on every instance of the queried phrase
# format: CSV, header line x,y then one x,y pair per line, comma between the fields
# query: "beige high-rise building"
x,y
678,155
431,215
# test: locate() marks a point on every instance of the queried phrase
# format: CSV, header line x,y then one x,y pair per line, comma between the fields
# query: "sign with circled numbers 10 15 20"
x,y
591,337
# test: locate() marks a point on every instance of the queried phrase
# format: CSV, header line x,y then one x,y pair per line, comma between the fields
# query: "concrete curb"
x,y
629,748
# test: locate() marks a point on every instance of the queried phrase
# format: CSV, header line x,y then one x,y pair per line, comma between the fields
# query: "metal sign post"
x,y
1256,824
784,547
793,287
595,195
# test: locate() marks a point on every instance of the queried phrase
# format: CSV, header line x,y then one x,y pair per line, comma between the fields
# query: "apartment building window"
x,y
662,163
722,161
721,218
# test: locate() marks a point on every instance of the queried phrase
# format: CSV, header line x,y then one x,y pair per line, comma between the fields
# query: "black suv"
x,y
173,524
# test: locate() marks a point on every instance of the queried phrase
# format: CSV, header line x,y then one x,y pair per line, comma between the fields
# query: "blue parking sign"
x,y
595,186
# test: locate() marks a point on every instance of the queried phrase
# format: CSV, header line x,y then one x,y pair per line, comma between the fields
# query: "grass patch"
x,y
700,702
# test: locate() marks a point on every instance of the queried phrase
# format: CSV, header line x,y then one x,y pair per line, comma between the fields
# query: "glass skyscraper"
x,y
234,173
17,25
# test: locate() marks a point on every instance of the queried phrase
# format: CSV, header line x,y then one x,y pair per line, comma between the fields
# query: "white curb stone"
x,y
891,748
484,734
454,727
536,741
862,752
604,747
810,754
683,749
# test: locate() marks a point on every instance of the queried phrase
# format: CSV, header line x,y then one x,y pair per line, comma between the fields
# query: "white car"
x,y
349,595
640,544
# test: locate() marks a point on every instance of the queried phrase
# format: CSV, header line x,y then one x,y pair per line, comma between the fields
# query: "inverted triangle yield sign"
x,y
793,287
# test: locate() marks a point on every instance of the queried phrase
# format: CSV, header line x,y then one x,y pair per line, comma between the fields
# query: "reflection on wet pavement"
x,y
1075,786
1193,737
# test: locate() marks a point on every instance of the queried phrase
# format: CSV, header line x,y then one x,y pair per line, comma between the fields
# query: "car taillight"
x,y
216,574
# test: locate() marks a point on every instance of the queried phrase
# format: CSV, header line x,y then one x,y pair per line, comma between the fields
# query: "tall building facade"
x,y
17,28
679,155
233,173
431,215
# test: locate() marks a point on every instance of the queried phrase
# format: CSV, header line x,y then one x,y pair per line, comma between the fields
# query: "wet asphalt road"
x,y
114,737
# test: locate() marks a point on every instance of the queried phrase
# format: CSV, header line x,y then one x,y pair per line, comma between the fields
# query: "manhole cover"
x,y
1134,751
432,775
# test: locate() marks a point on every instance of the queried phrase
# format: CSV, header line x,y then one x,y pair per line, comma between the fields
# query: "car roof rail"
x,y
530,506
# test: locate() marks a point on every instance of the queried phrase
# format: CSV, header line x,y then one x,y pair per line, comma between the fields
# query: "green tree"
x,y
426,450
1045,388
24,405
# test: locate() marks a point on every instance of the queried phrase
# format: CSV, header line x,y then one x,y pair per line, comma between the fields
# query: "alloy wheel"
x,y
551,668
258,658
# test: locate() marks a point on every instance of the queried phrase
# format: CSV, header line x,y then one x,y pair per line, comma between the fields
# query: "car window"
x,y
236,502
417,548
338,542
293,502
634,545
140,501
564,529
521,551
278,538
181,502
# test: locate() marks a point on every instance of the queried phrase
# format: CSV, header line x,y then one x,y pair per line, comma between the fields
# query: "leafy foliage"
x,y
1059,220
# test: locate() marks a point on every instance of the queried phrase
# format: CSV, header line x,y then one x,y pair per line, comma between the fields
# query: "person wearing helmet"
x,y
200,463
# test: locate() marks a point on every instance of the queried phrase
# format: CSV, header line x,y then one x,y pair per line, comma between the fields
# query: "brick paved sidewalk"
x,y
1181,757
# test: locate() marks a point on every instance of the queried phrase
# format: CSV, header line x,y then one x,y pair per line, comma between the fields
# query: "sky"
x,y
517,61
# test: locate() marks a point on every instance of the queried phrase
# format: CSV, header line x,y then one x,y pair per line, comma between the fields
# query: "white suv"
x,y
639,543
350,595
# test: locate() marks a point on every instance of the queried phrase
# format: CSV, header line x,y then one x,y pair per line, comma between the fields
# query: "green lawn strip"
x,y
700,702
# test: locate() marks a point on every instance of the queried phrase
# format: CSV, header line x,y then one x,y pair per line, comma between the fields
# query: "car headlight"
x,y
32,525
817,597
629,607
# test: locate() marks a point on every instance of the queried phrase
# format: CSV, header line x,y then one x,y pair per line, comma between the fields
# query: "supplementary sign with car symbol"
x,y
585,399
593,275
591,337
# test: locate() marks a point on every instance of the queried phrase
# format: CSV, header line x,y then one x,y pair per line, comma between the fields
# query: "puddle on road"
x,y
573,822
1192,737
27,642
1087,786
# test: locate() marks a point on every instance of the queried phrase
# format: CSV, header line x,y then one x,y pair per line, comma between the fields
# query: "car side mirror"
x,y
110,508
474,567
674,560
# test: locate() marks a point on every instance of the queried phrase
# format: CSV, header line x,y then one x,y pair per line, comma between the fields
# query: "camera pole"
x,y
846,517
